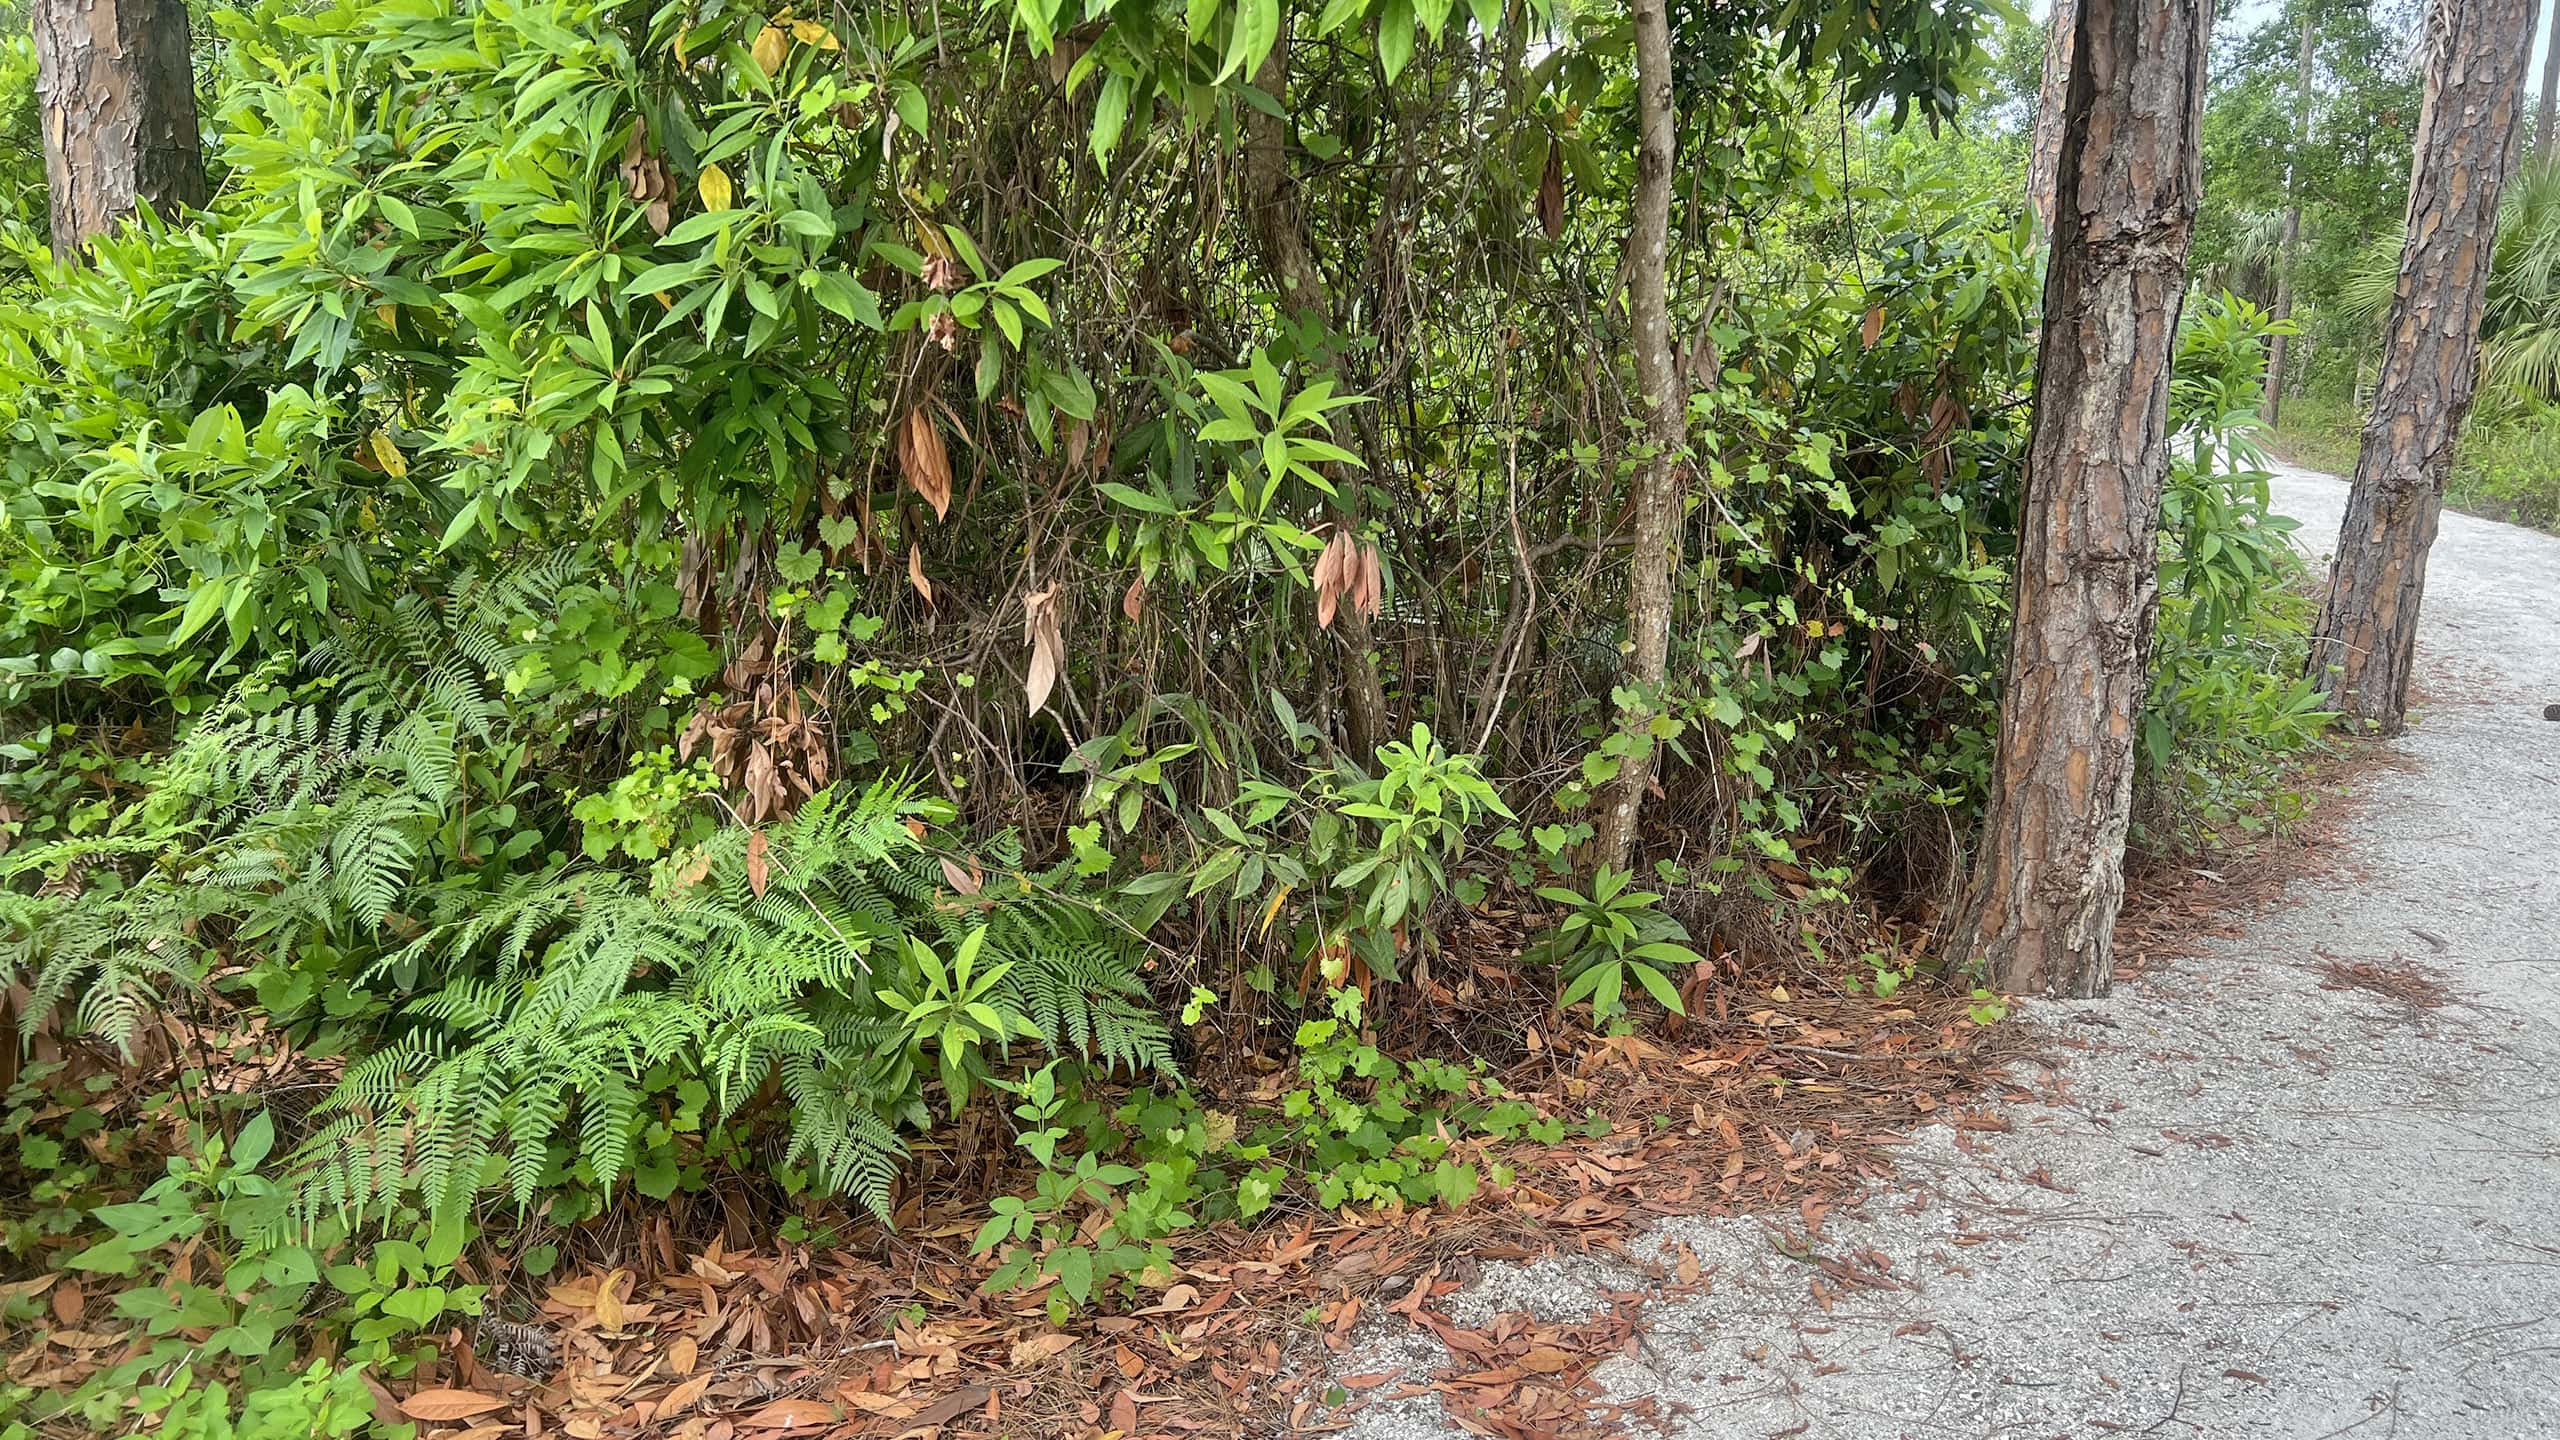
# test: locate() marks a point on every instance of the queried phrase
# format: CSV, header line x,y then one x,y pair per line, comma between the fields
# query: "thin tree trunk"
x,y
2050,874
1280,231
2546,146
1655,503
2366,639
2044,159
116,84
2291,241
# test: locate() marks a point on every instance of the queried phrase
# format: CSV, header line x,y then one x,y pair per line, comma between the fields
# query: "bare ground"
x,y
2299,1184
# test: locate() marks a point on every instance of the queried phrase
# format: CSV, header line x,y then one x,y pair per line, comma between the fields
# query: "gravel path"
x,y
2248,1206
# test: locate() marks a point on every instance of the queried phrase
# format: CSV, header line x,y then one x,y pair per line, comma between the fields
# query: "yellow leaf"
x,y
810,32
1279,898
389,315
716,190
388,456
767,50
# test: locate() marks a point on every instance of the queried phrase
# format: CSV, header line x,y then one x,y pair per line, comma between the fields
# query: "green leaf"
x,y
1257,30
1395,37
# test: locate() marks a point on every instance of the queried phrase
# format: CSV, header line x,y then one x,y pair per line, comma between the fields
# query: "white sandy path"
x,y
2365,1216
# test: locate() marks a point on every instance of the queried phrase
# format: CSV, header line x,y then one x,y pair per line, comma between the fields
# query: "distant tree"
x,y
2290,245
2049,876
2365,640
116,81
2044,153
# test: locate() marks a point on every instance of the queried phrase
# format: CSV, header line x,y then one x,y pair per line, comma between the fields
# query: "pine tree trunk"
x,y
2291,242
2044,159
2049,876
115,82
2546,146
2366,638
1280,232
1655,504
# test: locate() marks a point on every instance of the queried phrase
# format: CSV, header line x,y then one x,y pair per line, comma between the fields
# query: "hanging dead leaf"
x,y
1873,330
440,1404
811,33
717,192
759,874
1041,631
924,462
1134,599
1333,567
961,880
915,573
1551,192
1367,586
767,50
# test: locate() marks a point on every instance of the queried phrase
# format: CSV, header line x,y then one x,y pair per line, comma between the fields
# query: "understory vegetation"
x,y
743,613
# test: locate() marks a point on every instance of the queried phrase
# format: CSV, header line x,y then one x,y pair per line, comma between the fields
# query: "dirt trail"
x,y
2251,1205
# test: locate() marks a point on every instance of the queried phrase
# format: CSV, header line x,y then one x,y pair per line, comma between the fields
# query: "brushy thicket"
x,y
675,593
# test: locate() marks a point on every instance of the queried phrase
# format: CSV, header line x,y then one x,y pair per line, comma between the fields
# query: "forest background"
x,y
795,620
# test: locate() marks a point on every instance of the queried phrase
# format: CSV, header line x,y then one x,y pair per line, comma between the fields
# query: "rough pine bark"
x,y
115,83
1654,505
2049,874
2044,155
1280,232
2363,645
2291,241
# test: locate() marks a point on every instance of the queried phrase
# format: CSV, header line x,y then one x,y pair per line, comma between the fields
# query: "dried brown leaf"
x,y
961,880
1037,1348
1134,599
759,875
916,575
793,1415
924,461
1041,631
1873,330
442,1404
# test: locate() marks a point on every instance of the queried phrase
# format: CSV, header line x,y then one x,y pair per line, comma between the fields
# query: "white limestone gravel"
x,y
2247,1206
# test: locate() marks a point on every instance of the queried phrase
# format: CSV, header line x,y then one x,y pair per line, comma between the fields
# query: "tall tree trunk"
x,y
2044,159
2364,644
2050,874
2291,241
1655,503
116,83
2546,146
1280,232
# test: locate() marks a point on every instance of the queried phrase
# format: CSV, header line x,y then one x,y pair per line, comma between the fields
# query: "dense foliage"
x,y
673,593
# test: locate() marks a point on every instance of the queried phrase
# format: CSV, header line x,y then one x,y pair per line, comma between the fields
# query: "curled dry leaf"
x,y
759,875
1134,599
1551,192
1873,330
433,1405
924,462
1041,631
